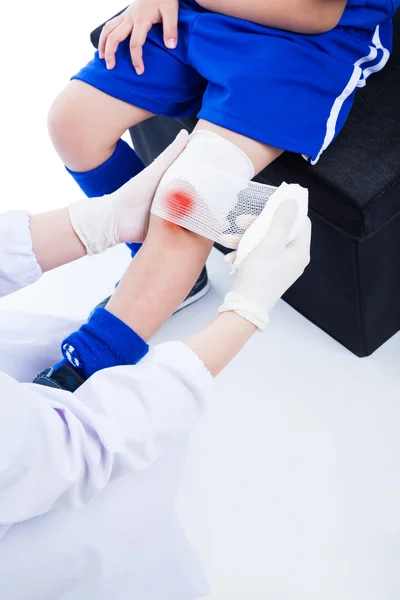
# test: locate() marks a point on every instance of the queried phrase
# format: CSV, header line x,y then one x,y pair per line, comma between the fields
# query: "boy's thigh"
x,y
94,113
169,86
85,124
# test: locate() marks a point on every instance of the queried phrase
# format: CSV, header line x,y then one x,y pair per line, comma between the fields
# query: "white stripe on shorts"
x,y
379,66
358,79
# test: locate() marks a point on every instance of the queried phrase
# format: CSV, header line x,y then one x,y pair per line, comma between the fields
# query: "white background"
x,y
292,487
42,44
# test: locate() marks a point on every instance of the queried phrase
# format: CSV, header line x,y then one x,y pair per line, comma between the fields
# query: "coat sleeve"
x,y
60,449
18,265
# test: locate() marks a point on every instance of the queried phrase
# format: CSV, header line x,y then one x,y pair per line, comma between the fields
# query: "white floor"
x,y
292,486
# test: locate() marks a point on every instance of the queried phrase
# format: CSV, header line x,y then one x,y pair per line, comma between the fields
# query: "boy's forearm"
x,y
302,16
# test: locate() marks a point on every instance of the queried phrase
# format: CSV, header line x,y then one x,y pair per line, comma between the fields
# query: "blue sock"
x,y
122,165
103,342
134,248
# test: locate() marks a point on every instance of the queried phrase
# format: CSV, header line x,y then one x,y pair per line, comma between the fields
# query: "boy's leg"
x,y
172,258
169,264
89,117
85,126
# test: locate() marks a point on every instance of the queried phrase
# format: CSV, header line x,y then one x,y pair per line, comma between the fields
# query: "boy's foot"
x,y
64,378
200,289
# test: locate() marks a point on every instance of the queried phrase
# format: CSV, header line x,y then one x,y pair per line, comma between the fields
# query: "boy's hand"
x,y
136,21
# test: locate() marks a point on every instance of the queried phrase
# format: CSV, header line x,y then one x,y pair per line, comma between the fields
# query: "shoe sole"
x,y
192,299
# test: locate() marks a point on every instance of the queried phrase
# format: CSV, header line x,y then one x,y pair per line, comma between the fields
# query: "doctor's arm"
x,y
59,449
54,241
264,276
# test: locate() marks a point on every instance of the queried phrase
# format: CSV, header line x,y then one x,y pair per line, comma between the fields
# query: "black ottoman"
x,y
351,289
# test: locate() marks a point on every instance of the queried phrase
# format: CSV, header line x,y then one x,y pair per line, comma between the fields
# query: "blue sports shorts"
x,y
284,89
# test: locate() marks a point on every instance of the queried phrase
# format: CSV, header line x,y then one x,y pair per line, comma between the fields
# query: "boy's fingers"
x,y
107,29
169,16
114,39
138,39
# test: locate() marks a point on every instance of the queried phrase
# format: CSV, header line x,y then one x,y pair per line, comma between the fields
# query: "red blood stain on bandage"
x,y
179,203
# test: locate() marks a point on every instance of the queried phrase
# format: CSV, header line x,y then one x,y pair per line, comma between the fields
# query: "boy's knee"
x,y
74,134
206,189
64,127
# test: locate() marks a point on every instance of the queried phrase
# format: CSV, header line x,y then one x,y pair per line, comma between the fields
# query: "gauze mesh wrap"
x,y
259,228
208,190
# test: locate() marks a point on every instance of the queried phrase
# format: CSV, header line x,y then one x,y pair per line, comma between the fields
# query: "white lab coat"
x,y
88,480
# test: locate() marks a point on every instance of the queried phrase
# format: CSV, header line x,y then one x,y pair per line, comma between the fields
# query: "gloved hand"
x,y
270,269
123,216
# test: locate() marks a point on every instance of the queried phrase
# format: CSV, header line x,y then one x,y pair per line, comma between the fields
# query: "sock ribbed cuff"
x,y
103,342
134,248
122,165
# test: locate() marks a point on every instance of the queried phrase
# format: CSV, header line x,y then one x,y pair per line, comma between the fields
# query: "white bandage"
x,y
205,190
208,190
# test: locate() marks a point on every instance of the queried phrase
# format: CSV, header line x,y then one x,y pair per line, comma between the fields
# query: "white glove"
x,y
256,227
270,269
123,216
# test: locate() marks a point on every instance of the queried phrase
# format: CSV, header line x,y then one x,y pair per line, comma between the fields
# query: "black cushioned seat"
x,y
352,287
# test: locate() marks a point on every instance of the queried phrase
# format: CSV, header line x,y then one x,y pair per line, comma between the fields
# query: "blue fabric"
x,y
367,14
103,342
134,248
274,86
122,165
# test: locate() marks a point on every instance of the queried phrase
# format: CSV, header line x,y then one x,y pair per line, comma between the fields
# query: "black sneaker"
x,y
64,378
200,289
